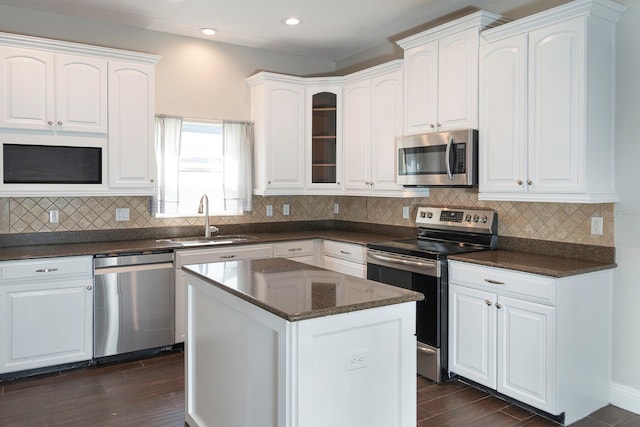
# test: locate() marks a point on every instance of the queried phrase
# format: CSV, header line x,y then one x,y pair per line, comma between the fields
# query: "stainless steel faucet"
x,y
203,207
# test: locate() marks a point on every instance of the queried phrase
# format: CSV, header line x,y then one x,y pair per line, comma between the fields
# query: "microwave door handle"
x,y
447,155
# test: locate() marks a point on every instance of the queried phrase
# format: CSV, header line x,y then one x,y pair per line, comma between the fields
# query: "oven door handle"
x,y
426,267
448,157
402,261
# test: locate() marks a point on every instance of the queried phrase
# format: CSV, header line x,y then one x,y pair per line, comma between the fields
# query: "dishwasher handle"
x,y
132,268
133,259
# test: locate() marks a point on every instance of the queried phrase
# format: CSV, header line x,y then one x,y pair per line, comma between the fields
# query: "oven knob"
x,y
476,218
484,219
468,218
429,214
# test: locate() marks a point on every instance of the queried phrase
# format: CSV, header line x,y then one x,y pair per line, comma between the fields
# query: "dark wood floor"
x,y
150,392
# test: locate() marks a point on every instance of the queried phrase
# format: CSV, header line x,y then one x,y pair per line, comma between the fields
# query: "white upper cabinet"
x,y
440,75
131,131
503,118
324,135
372,121
81,94
546,106
53,92
278,110
56,93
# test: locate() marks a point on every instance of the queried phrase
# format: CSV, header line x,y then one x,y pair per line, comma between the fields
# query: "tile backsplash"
x,y
562,222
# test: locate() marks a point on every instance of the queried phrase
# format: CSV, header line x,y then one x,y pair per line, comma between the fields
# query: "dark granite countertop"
x,y
296,291
150,245
545,265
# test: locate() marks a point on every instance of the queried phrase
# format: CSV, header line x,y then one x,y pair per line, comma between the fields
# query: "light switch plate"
x,y
269,210
405,212
122,214
336,208
285,210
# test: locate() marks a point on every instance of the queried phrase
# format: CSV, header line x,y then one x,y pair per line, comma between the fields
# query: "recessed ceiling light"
x,y
208,31
291,21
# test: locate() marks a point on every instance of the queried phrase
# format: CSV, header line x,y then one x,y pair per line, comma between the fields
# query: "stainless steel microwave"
x,y
442,159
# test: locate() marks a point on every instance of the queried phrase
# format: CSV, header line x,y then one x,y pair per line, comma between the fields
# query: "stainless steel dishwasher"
x,y
133,302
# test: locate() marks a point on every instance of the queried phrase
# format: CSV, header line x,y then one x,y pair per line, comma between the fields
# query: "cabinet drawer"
x,y
346,267
503,281
347,251
293,249
199,256
44,269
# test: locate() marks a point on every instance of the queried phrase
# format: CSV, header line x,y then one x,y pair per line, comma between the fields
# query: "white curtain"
x,y
238,170
168,135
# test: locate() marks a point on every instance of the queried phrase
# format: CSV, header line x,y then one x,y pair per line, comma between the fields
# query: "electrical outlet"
x,y
54,216
405,212
269,210
285,209
336,208
122,214
356,360
596,225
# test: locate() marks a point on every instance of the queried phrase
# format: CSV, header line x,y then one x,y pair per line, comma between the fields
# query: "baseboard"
x,y
625,397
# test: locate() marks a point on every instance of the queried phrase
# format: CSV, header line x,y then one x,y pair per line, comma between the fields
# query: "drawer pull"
x,y
295,249
46,270
493,282
489,303
345,252
227,256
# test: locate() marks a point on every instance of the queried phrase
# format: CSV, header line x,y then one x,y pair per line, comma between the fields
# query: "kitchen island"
x,y
274,342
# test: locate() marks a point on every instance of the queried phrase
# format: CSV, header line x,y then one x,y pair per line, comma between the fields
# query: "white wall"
x,y
196,78
626,294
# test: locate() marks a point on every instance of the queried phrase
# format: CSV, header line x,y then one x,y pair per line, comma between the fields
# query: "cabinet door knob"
x,y
529,182
431,125
520,182
89,287
152,180
498,306
438,124
59,122
50,123
489,303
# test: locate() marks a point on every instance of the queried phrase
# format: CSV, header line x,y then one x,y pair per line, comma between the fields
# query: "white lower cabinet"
x,y
199,256
531,337
347,258
46,312
305,251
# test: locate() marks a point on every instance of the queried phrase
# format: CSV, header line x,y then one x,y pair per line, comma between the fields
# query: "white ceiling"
x,y
331,29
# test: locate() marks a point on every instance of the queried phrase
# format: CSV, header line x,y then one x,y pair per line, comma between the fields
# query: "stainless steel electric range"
x,y
420,264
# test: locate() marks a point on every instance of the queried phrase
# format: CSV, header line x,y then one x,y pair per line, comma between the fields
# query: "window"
x,y
195,158
200,167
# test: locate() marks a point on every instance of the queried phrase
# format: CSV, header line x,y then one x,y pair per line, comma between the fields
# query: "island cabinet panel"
x,y
342,359
247,366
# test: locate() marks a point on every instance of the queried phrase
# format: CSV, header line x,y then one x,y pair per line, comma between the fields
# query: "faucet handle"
x,y
213,229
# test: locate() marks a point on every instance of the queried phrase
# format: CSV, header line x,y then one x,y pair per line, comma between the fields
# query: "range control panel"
x,y
476,220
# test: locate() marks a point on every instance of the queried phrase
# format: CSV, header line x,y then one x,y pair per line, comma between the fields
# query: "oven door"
x,y
424,276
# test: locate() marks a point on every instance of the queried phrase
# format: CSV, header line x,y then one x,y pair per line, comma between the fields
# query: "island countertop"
x,y
296,291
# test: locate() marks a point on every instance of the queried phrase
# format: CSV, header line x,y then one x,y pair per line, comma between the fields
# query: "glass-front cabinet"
x,y
325,139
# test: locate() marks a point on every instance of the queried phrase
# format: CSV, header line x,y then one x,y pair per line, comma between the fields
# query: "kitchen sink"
x,y
220,239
